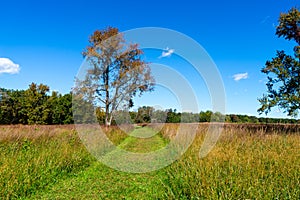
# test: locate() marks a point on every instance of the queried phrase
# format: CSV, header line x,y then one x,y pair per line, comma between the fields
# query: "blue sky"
x,y
45,40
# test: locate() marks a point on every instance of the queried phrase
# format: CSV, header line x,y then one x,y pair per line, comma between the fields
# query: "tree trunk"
x,y
107,115
107,120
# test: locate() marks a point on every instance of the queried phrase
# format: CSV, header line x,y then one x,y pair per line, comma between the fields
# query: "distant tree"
x,y
133,115
205,116
61,108
121,117
35,98
100,115
35,106
235,118
144,114
83,111
116,74
228,119
253,119
173,116
185,117
159,116
11,107
284,70
217,117
56,108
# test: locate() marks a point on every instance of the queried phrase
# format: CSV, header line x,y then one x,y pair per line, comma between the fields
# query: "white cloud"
x,y
167,53
8,66
238,77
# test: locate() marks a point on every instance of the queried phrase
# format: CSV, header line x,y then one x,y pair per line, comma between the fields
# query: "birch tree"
x,y
116,72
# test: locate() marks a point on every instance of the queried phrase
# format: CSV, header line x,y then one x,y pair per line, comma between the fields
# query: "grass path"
x,y
143,140
101,182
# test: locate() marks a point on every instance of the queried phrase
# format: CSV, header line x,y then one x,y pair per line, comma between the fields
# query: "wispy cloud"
x,y
8,66
241,76
265,20
167,53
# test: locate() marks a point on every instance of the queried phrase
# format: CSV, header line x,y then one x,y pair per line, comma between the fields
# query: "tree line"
x,y
36,105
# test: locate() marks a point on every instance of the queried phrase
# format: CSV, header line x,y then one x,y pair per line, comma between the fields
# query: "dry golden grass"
x,y
20,132
248,162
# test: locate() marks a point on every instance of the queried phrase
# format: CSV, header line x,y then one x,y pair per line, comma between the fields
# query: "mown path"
x,y
143,140
101,182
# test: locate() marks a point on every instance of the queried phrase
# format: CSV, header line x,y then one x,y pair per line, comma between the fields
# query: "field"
x,y
248,162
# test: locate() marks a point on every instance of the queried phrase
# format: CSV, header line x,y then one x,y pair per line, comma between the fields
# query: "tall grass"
x,y
248,162
35,157
245,164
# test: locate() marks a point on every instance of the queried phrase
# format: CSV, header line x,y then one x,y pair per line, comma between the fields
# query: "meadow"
x,y
248,162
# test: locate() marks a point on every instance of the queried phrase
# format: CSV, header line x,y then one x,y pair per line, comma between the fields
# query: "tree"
x,y
283,71
159,116
173,116
35,104
217,117
116,72
100,116
205,116
61,107
144,114
11,107
235,118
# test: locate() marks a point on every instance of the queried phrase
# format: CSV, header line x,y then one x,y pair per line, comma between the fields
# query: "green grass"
x,y
101,182
143,140
33,162
51,163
